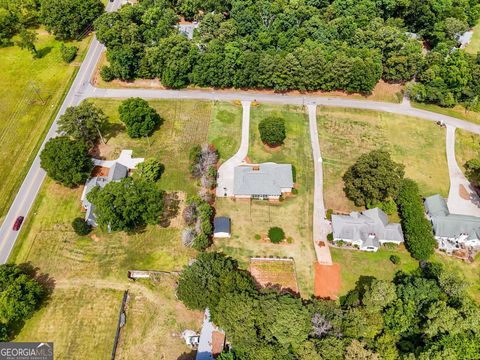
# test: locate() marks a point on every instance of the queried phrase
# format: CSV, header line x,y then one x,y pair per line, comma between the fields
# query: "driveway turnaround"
x,y
462,197
33,181
321,227
226,170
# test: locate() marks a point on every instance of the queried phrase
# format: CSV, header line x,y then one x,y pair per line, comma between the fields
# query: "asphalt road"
x,y
33,181
81,89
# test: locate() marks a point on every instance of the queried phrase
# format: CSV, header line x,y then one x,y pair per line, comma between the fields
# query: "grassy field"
x,y
225,129
96,266
354,264
185,124
25,115
457,111
345,134
294,214
467,146
474,46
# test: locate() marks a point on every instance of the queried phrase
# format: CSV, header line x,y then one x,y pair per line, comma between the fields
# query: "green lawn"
x,y
467,146
294,214
474,46
225,129
457,111
24,118
345,134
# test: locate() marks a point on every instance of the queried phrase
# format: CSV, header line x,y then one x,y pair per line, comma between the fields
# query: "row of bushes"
x,y
198,216
416,228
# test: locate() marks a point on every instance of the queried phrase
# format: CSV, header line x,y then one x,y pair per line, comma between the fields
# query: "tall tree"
x,y
83,122
139,117
67,19
66,161
27,40
374,177
127,204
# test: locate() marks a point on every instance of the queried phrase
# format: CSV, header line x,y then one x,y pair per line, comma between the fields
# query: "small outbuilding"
x,y
221,227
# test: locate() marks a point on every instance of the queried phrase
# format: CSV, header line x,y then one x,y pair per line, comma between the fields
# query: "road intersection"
x,y
82,89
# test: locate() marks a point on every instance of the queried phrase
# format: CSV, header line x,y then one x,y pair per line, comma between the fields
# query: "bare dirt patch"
x,y
327,281
275,273
463,193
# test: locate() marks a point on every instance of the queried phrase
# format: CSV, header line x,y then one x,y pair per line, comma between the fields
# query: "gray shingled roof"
x,y
436,206
262,179
358,226
117,172
221,224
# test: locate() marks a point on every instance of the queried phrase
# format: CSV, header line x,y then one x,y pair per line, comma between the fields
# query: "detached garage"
x,y
221,227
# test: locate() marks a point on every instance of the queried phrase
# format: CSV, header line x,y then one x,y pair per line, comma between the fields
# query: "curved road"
x,y
82,89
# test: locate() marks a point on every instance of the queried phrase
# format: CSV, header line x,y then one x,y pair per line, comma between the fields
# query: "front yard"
x,y
347,133
90,273
293,215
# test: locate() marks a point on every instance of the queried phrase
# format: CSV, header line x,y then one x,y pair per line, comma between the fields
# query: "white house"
x,y
452,231
266,181
367,230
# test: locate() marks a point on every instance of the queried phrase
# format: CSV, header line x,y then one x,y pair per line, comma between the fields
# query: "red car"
x,y
18,223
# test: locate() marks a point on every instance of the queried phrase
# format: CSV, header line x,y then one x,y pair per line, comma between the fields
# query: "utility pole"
x,y
36,90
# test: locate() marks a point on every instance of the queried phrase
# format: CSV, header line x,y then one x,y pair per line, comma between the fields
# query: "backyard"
x,y
25,115
345,134
95,266
294,214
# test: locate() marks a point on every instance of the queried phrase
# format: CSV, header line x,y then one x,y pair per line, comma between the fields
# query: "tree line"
x,y
426,314
305,45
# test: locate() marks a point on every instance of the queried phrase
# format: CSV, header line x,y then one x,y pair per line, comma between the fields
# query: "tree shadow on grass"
x,y
112,130
48,284
188,356
43,52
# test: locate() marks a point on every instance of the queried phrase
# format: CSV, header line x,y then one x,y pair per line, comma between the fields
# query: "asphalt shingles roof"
x,y
262,179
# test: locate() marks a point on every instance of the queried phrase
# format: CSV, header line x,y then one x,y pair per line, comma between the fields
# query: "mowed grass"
x,y
458,111
90,272
474,46
294,215
345,134
225,130
467,147
24,118
185,124
354,264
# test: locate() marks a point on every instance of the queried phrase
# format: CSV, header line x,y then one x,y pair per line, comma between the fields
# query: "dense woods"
x,y
423,315
306,45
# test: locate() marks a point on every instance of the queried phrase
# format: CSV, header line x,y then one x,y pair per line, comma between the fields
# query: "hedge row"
x,y
417,229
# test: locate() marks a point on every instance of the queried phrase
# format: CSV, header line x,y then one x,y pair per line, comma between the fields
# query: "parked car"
x,y
18,223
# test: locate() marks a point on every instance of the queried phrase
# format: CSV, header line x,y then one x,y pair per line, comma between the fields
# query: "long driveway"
x,y
33,181
321,226
81,89
226,170
462,197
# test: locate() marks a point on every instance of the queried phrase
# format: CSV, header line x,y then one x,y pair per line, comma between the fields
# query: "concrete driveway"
x,y
321,227
462,198
226,170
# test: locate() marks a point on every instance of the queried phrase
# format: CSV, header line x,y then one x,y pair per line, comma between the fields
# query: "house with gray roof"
x,y
367,230
266,181
117,170
452,231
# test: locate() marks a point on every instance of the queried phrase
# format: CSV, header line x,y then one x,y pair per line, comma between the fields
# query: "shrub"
x,y
150,170
68,53
81,227
330,237
276,235
340,242
290,240
328,215
416,228
257,237
395,259
107,74
272,131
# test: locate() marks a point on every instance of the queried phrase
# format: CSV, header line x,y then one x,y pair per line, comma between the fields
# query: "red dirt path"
x,y
327,281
